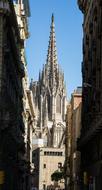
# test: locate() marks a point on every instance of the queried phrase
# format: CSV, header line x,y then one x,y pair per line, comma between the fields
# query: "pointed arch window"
x,y
58,104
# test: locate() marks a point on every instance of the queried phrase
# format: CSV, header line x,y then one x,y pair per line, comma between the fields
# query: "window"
x,y
60,165
55,153
48,153
45,153
61,153
44,166
51,153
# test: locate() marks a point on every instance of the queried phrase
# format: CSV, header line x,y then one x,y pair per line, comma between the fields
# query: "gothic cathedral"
x,y
49,95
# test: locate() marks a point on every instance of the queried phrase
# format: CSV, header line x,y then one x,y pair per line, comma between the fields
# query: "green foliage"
x,y
57,175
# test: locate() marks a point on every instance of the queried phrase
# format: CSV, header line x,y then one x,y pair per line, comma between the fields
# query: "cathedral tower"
x,y
49,94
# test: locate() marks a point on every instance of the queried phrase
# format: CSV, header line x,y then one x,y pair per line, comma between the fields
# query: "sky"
x,y
68,29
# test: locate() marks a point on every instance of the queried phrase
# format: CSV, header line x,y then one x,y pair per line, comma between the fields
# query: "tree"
x,y
57,175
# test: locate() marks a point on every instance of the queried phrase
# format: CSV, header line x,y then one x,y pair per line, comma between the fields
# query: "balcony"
x,y
4,7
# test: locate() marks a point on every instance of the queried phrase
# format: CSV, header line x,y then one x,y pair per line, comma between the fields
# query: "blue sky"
x,y
68,28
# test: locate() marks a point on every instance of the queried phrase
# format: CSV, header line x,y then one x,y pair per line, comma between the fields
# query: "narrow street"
x,y
50,101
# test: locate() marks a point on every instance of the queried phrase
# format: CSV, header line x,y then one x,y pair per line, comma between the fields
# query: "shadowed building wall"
x,y
90,142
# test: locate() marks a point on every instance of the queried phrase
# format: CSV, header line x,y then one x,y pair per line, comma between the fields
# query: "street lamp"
x,y
85,84
88,85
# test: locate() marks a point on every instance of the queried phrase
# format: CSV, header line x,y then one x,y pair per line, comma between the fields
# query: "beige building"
x,y
73,121
46,162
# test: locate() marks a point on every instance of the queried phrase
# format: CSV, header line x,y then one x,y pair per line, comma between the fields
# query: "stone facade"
x,y
16,100
49,94
76,106
90,143
46,162
73,128
23,12
68,145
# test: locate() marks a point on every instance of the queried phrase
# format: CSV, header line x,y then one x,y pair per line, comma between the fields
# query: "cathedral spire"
x,y
52,17
52,21
52,53
50,96
51,61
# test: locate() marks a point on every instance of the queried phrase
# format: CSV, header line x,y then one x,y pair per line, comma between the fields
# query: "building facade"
x,y
76,105
46,162
23,13
12,146
16,100
73,127
68,146
49,94
90,142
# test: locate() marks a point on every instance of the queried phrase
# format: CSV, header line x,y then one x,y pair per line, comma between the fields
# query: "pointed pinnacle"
x,y
52,18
